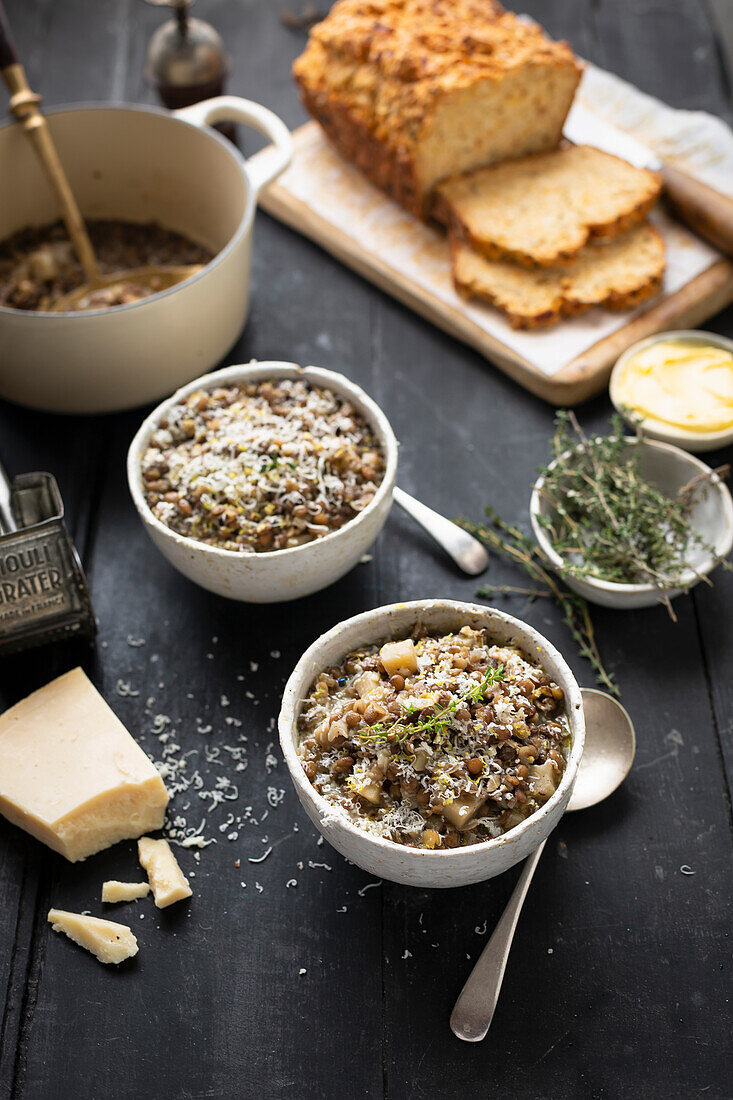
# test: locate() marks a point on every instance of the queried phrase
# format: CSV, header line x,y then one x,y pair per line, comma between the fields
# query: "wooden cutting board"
x,y
582,376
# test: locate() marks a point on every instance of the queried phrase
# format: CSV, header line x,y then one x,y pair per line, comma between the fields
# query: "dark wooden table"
x,y
619,983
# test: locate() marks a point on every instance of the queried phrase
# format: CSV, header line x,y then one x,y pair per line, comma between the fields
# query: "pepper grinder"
x,y
186,60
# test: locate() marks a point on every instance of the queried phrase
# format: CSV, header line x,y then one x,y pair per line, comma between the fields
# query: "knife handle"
x,y
708,212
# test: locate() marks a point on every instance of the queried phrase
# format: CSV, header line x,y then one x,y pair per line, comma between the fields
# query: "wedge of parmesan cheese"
x,y
166,878
114,891
71,774
109,942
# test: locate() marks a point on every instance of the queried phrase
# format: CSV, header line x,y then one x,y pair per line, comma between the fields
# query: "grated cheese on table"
x,y
203,781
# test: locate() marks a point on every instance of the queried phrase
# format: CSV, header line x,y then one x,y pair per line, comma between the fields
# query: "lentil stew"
x,y
38,265
435,741
263,466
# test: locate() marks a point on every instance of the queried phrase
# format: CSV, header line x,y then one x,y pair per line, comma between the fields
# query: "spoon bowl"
x,y
154,277
610,744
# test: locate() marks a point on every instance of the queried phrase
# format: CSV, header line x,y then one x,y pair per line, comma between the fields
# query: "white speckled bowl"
x,y
670,468
275,575
658,429
417,866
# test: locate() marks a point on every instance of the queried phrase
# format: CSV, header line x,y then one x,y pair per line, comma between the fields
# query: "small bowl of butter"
x,y
678,387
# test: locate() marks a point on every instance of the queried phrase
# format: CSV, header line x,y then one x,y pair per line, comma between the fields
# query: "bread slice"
x,y
618,275
413,91
543,209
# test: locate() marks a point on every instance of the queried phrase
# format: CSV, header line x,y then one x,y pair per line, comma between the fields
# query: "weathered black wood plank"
x,y
668,50
215,1004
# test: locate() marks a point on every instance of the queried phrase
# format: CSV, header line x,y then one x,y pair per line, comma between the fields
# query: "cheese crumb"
x,y
168,882
107,941
113,891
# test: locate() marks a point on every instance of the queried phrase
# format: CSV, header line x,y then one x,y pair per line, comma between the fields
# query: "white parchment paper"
x,y
338,193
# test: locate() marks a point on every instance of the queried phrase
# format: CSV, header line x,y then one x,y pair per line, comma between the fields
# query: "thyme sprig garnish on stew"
x,y
607,521
398,732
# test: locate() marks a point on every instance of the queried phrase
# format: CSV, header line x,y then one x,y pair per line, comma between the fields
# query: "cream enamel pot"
x,y
398,862
139,164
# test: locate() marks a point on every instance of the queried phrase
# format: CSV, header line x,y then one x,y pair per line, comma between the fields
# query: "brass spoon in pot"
x,y
610,744
25,105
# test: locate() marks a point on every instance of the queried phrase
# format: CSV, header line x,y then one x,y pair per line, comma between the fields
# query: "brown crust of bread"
x,y
606,231
563,306
382,164
649,187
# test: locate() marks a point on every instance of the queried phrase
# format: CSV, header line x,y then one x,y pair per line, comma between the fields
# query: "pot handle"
x,y
232,108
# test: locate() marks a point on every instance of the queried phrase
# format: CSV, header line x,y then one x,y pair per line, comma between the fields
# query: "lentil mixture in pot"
x,y
435,742
38,265
263,466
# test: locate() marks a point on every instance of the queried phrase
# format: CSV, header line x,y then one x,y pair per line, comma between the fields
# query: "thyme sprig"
x,y
606,521
398,732
510,543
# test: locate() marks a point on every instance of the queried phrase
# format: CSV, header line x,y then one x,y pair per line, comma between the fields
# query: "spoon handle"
x,y
474,1010
466,551
25,105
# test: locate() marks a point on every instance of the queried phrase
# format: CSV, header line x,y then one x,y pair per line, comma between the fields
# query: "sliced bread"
x,y
618,275
542,209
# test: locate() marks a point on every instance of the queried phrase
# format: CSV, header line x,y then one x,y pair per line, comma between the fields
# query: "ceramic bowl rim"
x,y
688,578
527,635
243,228
260,370
658,429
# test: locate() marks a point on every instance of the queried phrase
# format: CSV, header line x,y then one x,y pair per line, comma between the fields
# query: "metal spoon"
x,y
466,551
152,278
610,744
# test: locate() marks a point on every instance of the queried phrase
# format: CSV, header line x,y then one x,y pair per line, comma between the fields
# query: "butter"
x,y
70,773
166,878
107,941
685,385
113,891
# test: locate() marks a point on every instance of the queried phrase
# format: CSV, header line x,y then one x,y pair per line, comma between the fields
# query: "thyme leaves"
x,y
607,521
400,731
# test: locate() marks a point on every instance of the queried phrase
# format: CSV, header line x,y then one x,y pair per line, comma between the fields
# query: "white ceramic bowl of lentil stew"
x,y
264,482
433,743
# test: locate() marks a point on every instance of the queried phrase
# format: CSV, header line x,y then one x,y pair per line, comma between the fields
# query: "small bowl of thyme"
x,y
628,521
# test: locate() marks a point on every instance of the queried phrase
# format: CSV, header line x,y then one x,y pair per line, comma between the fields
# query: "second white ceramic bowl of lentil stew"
x,y
423,865
266,575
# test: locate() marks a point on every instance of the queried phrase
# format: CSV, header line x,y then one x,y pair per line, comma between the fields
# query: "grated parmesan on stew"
x,y
264,466
435,741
